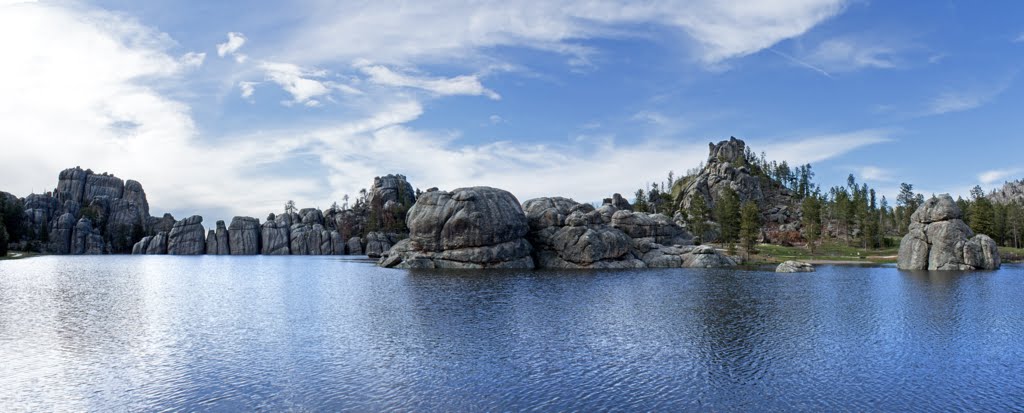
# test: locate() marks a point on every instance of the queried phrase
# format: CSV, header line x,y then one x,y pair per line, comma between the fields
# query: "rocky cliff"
x,y
727,166
939,240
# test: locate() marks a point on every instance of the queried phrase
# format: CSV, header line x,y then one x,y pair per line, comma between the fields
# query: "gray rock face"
x,y
391,188
103,185
939,240
86,239
157,244
679,256
61,233
477,227
134,193
1010,192
187,237
337,243
140,247
275,236
618,202
567,234
794,266
211,243
244,236
354,246
71,185
305,239
727,167
162,224
223,239
377,243
311,216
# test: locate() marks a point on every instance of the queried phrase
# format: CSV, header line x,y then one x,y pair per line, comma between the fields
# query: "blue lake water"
x,y
214,333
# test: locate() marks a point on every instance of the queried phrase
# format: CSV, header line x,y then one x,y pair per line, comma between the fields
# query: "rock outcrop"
x,y
377,243
567,234
243,236
187,237
618,202
793,267
217,240
354,246
728,167
61,233
939,240
86,239
477,227
275,236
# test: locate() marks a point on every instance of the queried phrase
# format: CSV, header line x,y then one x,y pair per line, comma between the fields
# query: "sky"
x,y
224,108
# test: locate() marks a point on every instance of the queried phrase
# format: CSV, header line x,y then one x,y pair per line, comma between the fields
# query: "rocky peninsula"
x,y
485,227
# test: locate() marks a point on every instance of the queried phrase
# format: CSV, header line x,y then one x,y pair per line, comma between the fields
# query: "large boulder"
x,y
377,243
275,236
939,240
187,237
354,246
685,256
244,236
157,245
217,240
477,227
71,184
794,267
102,185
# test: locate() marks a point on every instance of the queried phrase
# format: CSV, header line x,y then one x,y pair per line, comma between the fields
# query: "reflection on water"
x,y
322,333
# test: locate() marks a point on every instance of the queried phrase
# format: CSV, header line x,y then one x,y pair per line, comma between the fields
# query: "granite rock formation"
x,y
243,236
939,240
275,235
477,227
187,237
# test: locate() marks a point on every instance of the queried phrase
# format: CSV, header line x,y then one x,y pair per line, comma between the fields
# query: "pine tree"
x,y
727,214
750,227
811,210
698,215
3,239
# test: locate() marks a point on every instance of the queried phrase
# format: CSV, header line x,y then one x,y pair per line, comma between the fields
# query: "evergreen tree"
x,y
811,210
640,203
750,227
727,214
289,207
982,216
698,215
907,201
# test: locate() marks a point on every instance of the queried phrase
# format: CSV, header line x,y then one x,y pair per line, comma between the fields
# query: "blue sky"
x,y
224,108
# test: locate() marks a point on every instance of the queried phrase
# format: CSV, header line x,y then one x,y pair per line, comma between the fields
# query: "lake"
x,y
142,333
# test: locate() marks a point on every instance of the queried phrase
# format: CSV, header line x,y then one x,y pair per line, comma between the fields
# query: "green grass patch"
x,y
829,251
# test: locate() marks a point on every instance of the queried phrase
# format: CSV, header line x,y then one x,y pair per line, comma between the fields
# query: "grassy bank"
x,y
826,252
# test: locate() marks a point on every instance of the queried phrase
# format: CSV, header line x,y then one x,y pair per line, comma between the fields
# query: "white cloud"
x,y
988,178
247,89
875,174
850,54
815,149
959,101
495,119
439,30
87,86
459,85
193,59
230,47
301,83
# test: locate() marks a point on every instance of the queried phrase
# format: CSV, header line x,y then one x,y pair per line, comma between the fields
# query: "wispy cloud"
x,y
963,100
875,174
230,47
848,54
458,85
994,176
432,31
812,149
1019,39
